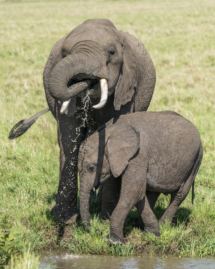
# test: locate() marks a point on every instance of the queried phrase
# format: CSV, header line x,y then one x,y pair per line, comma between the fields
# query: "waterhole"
x,y
64,260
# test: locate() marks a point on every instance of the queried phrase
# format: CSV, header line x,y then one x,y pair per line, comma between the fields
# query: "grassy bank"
x,y
180,39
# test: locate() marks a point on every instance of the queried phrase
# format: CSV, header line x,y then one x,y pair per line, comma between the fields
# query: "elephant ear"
x,y
121,146
54,57
128,76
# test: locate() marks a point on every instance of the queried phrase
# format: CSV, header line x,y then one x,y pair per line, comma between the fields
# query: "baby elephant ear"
x,y
128,76
121,146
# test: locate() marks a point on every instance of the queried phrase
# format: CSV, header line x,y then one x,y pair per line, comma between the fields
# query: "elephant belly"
x,y
163,179
153,186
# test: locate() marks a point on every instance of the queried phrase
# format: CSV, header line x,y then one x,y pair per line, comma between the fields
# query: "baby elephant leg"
x,y
130,195
178,197
152,199
110,196
147,216
117,219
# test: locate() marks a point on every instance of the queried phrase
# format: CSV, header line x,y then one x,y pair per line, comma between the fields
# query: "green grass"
x,y
180,39
28,260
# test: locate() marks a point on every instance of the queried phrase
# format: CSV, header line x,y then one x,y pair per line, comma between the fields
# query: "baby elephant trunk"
x,y
85,207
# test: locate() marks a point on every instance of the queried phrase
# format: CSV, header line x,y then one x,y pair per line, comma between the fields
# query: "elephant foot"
x,y
157,234
154,231
153,228
114,239
65,214
140,226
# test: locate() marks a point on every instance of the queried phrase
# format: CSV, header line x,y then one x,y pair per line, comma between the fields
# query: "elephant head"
x,y
97,161
96,57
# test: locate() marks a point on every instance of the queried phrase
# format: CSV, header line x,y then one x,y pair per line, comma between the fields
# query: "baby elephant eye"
x,y
111,50
92,168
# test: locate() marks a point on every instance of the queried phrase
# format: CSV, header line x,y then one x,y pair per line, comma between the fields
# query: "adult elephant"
x,y
93,74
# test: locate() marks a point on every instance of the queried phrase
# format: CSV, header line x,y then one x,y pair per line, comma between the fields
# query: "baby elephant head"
x,y
103,154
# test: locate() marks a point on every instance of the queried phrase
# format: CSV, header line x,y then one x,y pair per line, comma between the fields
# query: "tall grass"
x,y
27,261
180,39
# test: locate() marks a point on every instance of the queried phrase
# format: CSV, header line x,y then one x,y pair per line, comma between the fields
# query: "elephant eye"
x,y
92,168
64,54
111,51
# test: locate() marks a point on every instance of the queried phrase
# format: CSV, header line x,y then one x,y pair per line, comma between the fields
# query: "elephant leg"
x,y
110,196
152,199
176,199
69,140
118,217
147,216
131,193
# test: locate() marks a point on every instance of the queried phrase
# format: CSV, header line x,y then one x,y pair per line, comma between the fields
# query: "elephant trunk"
x,y
85,207
74,74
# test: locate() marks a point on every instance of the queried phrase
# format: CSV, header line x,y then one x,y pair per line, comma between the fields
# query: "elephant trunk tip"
x,y
20,128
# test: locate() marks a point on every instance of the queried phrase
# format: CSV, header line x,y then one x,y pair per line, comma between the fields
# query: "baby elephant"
x,y
157,152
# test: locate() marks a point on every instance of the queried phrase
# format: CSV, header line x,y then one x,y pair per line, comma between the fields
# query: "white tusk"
x,y
64,106
104,93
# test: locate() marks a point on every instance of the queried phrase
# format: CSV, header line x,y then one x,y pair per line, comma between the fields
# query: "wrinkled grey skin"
x,y
157,152
93,50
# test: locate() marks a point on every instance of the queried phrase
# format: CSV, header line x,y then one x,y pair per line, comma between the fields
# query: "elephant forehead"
x,y
99,34
90,157
92,148
87,149
91,151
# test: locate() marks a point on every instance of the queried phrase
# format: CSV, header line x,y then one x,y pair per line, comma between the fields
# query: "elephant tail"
x,y
193,193
197,165
22,126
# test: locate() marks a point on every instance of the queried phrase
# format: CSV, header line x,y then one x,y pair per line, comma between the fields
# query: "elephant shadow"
x,y
182,216
61,229
51,197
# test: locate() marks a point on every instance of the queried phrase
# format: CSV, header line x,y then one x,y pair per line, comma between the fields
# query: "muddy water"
x,y
62,260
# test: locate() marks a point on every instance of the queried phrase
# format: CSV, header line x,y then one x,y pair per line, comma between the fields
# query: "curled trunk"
x,y
70,76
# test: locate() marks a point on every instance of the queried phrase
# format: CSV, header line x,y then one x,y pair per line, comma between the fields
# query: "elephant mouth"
x,y
83,84
92,84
